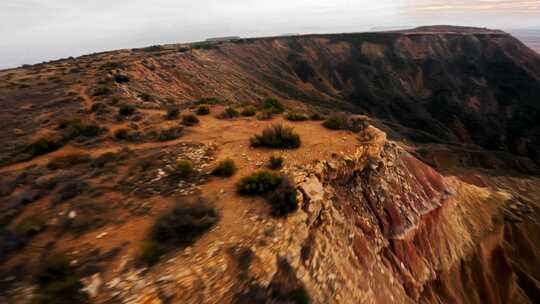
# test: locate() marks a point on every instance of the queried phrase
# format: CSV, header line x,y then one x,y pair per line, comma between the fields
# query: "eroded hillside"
x,y
110,193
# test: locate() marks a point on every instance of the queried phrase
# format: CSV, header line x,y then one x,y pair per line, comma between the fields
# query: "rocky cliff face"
x,y
379,226
433,84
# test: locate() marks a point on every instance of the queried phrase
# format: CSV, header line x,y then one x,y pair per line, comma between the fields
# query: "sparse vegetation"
x,y
67,161
273,105
275,162
229,113
57,283
127,109
225,168
336,122
260,182
172,113
179,227
248,111
189,120
294,116
203,109
277,137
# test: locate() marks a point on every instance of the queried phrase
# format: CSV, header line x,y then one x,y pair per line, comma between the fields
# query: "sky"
x,y
33,31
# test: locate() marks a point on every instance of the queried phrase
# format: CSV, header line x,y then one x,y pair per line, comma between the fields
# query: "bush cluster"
x,y
277,137
102,160
229,113
179,227
183,169
172,113
210,101
275,162
58,283
279,190
127,109
273,105
203,109
225,168
119,78
102,90
260,182
189,120
74,128
316,116
67,161
170,133
336,122
44,145
146,97
294,116
248,111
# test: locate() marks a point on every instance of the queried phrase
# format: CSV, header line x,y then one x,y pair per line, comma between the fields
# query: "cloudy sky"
x,y
36,30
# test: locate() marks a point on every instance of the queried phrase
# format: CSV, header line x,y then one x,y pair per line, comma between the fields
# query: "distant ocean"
x,y
531,37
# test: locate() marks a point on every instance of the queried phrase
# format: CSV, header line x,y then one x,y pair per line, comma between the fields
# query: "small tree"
x,y
203,109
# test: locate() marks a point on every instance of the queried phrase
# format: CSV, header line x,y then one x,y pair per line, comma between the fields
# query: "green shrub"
x,y
189,120
277,137
146,97
225,168
151,252
229,113
275,162
203,109
172,113
170,133
336,122
183,169
102,90
248,111
274,106
316,116
67,161
74,128
127,109
179,227
57,283
260,182
293,116
283,198
102,160
119,78
44,145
